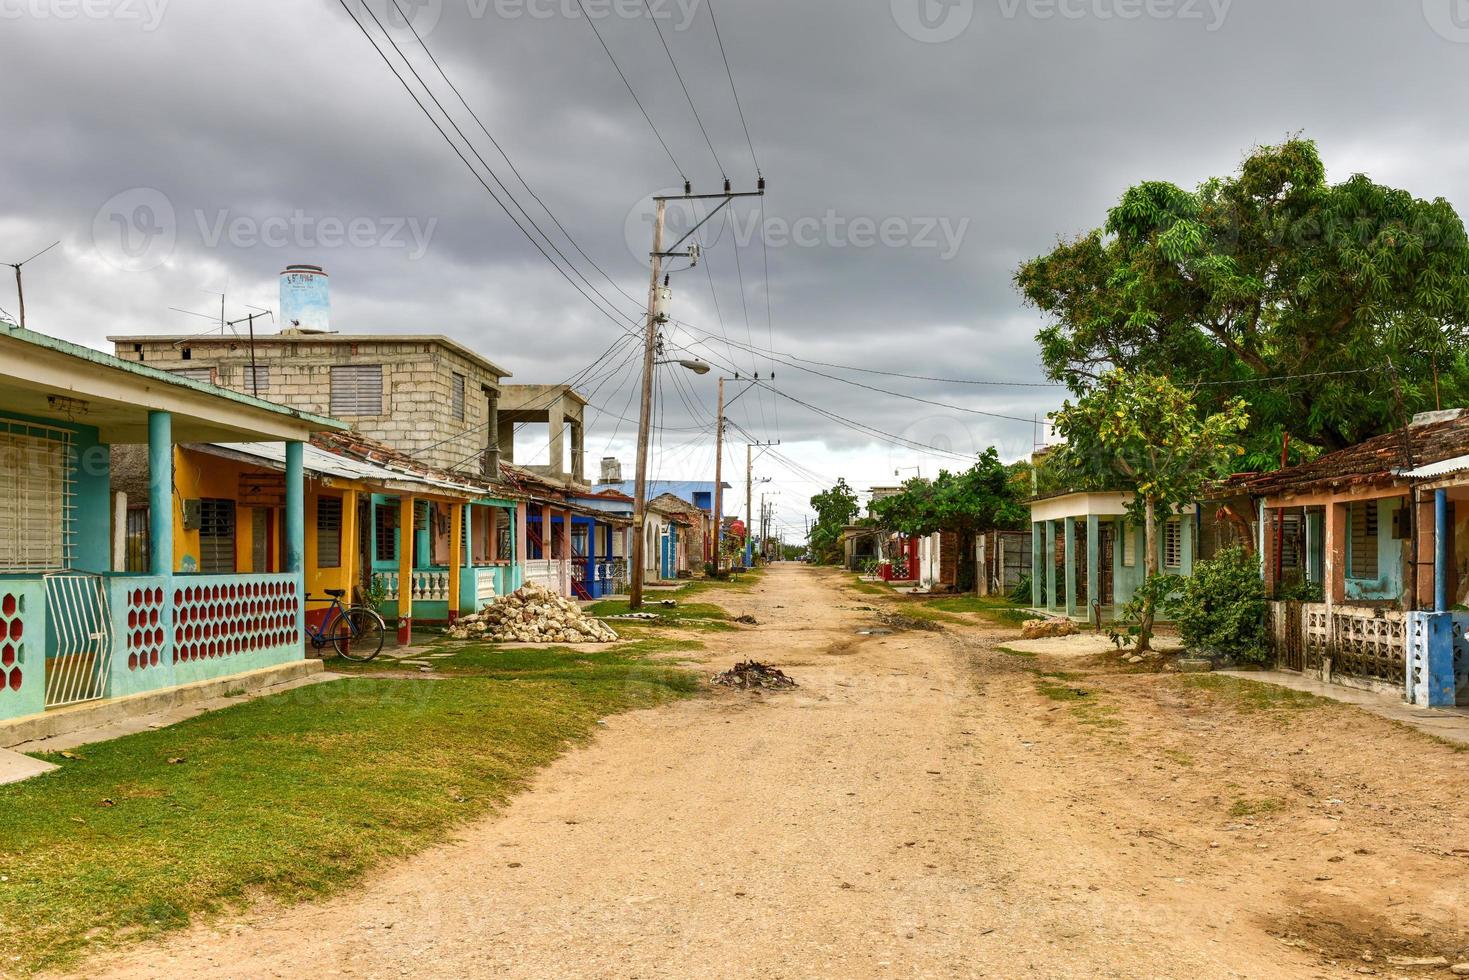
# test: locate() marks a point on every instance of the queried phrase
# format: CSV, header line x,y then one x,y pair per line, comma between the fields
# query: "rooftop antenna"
x,y
250,319
19,291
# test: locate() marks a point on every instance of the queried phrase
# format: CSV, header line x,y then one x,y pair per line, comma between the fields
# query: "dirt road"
x,y
918,808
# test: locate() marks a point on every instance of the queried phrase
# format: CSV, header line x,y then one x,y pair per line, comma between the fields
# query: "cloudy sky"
x,y
917,151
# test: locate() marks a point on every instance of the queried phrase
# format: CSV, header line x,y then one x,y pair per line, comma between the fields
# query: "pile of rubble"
x,y
533,614
751,674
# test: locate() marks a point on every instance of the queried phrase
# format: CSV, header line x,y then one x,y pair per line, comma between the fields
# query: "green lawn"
x,y
997,608
291,796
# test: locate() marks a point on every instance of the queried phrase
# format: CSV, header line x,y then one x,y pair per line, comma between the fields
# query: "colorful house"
x,y
78,627
1087,553
1380,527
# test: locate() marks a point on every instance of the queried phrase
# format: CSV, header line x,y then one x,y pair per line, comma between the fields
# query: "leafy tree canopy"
x,y
987,495
835,509
1270,273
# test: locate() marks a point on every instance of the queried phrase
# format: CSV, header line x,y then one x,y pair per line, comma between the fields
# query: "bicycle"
x,y
355,631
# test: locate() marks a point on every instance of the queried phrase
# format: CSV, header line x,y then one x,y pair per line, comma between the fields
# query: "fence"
x,y
1358,643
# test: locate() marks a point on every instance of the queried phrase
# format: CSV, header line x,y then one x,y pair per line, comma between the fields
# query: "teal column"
x,y
1093,560
1070,551
1050,560
295,509
160,492
422,552
1037,549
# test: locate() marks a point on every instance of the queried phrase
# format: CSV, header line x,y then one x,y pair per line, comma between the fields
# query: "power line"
x,y
465,160
620,74
653,17
513,169
715,21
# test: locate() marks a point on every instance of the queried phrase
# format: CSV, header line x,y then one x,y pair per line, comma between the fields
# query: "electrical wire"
x,y
736,92
654,18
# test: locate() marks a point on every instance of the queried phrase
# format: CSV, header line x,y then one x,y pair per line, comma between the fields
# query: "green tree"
x,y
1269,274
1141,432
835,509
986,496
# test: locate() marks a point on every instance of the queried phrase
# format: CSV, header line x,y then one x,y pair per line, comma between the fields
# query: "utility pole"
x,y
645,414
719,479
254,373
750,494
656,317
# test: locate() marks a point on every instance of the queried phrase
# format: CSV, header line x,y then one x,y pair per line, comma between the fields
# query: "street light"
x,y
696,366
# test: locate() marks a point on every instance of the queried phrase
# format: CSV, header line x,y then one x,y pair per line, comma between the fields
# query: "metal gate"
x,y
1106,552
79,649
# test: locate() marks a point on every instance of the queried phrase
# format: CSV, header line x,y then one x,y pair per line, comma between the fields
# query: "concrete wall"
x,y
417,384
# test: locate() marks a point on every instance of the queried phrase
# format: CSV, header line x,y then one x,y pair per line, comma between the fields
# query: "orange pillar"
x,y
406,542
1336,553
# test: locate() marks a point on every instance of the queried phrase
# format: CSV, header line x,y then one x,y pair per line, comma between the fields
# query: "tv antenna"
x,y
19,291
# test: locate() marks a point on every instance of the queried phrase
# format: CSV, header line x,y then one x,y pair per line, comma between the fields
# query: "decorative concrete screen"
x,y
22,647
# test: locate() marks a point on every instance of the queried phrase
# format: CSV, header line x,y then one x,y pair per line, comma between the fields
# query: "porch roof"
x,y
45,377
325,463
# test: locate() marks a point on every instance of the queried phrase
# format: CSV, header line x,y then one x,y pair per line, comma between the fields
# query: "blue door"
x,y
669,549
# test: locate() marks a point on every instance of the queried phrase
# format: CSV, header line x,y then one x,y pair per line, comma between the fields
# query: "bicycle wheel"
x,y
358,634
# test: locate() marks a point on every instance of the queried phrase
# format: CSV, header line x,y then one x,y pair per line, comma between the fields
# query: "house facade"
x,y
1087,554
77,626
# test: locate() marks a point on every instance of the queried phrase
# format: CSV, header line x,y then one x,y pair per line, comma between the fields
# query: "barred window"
x,y
328,532
385,522
1362,518
456,397
1173,544
217,537
36,498
357,389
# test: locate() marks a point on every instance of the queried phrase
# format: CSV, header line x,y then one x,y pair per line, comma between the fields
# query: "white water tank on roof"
x,y
305,299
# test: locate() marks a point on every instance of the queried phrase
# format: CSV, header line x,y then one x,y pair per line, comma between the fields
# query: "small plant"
x,y
1155,593
1020,595
1221,608
375,592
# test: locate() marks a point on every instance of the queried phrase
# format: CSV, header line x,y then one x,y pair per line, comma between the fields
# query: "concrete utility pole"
x,y
657,299
750,495
719,479
645,413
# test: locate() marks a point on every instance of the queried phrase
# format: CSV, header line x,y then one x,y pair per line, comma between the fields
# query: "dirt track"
x,y
916,808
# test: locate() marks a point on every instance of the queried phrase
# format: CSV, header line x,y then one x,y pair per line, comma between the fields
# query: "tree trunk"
x,y
1150,568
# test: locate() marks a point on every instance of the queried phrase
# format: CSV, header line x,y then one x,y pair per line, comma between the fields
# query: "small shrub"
x,y
1020,595
1222,607
1302,592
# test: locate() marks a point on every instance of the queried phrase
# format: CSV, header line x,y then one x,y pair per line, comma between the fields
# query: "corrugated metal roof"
x,y
1444,467
320,461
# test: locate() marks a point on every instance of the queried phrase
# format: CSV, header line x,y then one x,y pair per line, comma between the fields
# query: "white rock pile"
x,y
533,614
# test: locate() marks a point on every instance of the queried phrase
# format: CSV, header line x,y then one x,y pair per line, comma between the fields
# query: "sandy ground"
x,y
915,809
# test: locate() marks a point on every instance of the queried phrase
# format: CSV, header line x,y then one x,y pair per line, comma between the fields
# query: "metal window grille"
x,y
357,389
1129,546
456,397
195,374
1173,544
37,497
385,520
136,542
217,537
328,532
1363,518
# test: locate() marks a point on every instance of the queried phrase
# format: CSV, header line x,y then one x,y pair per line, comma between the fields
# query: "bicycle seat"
x,y
335,593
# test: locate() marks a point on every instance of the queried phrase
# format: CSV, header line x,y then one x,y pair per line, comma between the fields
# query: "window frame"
x,y
332,559
350,390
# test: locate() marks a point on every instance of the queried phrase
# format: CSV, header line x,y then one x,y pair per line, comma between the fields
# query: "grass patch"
x,y
290,797
1247,695
997,609
686,615
1083,705
1016,653
1179,756
871,588
1243,807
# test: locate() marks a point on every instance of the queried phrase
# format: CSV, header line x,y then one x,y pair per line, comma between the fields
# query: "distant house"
x,y
697,493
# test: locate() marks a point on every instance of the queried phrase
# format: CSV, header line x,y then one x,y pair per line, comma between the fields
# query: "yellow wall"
x,y
199,475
